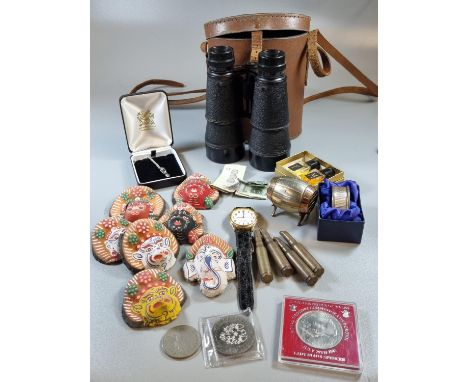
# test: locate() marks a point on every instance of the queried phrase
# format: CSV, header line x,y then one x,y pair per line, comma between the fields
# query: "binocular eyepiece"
x,y
271,63
220,59
228,92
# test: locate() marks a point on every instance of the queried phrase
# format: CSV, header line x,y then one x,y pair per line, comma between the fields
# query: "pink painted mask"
x,y
137,210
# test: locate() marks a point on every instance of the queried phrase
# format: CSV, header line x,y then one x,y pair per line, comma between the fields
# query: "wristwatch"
x,y
243,220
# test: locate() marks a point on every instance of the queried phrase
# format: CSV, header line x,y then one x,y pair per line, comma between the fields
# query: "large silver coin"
x,y
181,342
233,335
319,329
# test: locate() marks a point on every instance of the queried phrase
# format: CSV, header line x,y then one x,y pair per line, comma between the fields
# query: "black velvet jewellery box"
x,y
148,129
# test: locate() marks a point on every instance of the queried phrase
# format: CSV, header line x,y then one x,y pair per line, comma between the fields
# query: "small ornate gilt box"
x,y
309,168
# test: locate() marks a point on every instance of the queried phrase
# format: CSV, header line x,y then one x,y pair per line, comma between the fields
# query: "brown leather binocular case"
x,y
248,35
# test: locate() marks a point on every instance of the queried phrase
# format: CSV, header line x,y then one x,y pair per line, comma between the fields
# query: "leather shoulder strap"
x,y
317,45
173,102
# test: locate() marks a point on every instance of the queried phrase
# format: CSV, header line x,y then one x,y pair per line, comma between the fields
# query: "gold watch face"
x,y
243,218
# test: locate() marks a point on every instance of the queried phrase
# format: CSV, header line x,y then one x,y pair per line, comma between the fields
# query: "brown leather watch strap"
x,y
173,102
317,44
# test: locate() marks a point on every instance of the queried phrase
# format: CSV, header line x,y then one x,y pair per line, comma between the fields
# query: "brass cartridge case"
x,y
304,271
278,257
264,267
304,254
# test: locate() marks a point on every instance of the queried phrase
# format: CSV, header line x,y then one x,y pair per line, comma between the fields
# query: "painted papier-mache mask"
x,y
137,209
210,261
147,244
105,239
139,202
185,222
152,299
196,190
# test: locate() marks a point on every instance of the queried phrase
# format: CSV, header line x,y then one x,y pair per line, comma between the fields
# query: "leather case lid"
x,y
257,21
147,120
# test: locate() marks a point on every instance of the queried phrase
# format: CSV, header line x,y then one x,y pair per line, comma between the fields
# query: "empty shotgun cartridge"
x,y
277,255
264,267
304,271
304,254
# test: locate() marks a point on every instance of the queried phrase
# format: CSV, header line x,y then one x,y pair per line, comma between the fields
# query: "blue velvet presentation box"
x,y
337,230
148,130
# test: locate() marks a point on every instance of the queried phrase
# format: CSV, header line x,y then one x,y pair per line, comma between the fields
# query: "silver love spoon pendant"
x,y
160,168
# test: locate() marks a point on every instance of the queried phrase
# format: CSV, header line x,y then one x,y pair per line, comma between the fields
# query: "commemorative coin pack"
x,y
320,333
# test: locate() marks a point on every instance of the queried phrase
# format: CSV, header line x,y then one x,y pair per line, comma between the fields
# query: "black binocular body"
x,y
255,91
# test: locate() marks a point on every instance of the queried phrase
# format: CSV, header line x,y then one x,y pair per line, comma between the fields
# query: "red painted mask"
x,y
195,192
137,210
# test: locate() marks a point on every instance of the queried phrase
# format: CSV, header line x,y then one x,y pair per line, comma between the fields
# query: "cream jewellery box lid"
x,y
147,120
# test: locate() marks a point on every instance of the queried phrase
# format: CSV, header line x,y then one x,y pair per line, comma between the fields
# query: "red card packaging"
x,y
320,333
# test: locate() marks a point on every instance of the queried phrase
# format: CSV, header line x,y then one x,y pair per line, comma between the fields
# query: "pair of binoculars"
x,y
256,91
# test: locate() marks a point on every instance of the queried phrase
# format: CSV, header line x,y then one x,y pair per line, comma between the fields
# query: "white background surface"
x,y
138,40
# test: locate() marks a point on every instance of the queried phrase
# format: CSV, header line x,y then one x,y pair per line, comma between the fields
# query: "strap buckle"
x,y
256,46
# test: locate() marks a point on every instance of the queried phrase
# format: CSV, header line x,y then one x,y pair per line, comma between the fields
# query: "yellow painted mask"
x,y
158,306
